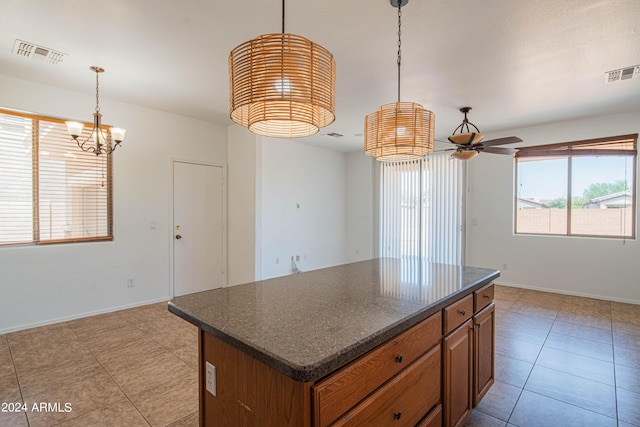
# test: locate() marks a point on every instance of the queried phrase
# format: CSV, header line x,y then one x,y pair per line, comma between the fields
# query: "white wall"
x,y
304,206
360,206
242,192
44,284
602,268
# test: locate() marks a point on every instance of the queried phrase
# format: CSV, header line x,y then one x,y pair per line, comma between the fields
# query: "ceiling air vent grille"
x,y
32,50
334,135
627,73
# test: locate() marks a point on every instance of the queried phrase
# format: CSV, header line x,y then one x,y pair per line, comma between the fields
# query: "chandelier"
x,y
282,85
399,131
97,142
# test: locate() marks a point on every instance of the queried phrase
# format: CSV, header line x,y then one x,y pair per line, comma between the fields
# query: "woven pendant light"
x,y
282,85
399,131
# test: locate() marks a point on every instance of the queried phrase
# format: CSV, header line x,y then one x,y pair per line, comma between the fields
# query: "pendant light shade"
x,y
282,85
399,131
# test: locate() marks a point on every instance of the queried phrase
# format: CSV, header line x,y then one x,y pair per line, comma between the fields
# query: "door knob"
x,y
178,237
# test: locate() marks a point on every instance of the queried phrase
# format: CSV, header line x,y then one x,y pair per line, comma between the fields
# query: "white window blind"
x,y
421,209
50,190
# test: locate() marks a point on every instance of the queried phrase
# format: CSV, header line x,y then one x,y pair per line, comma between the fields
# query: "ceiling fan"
x,y
470,143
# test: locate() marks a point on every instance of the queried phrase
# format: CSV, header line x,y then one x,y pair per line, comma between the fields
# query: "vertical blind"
x,y
50,190
421,209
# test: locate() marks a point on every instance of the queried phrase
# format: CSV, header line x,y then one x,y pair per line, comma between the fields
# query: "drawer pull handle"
x,y
462,312
399,358
397,415
485,296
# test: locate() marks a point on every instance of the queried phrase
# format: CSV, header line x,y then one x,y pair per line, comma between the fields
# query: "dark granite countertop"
x,y
307,325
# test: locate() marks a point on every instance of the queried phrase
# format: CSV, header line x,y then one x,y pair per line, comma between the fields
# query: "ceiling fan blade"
x,y
501,141
447,149
500,150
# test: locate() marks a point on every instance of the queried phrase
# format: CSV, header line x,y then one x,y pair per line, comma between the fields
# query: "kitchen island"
x,y
373,341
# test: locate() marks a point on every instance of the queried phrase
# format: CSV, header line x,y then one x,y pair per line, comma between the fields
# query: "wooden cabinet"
x,y
468,355
483,351
404,400
458,368
335,395
415,379
399,381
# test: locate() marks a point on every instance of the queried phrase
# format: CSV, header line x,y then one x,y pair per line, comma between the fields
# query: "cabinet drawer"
x,y
482,297
338,393
458,313
433,419
404,400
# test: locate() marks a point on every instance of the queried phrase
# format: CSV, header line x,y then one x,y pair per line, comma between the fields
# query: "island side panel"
x,y
249,393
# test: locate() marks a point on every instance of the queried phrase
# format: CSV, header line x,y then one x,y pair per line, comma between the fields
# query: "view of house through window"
x,y
584,188
50,190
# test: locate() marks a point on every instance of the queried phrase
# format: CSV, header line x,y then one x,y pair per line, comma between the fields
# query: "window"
x,y
582,188
421,209
50,190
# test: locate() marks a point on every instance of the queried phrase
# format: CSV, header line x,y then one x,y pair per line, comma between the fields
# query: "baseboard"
x,y
565,292
81,315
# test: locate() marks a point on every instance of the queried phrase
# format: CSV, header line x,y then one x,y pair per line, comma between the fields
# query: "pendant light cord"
x,y
282,16
399,43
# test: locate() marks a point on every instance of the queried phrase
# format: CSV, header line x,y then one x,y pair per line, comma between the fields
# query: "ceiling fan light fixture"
x,y
466,138
465,154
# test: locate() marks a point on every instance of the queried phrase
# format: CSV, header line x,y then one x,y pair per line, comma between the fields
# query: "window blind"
x,y
421,209
51,190
624,145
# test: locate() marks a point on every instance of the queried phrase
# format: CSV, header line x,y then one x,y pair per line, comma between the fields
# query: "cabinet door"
x,y
458,365
484,337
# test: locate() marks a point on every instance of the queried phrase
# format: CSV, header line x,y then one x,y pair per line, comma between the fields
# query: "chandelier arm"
x,y
458,128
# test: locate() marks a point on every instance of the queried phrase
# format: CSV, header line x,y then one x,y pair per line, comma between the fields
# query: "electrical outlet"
x,y
505,266
131,282
211,378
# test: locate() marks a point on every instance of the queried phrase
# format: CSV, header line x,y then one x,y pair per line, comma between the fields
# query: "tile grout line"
x,y
15,374
613,353
109,375
532,367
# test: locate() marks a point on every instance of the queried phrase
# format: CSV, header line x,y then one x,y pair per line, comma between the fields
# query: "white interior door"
x,y
198,227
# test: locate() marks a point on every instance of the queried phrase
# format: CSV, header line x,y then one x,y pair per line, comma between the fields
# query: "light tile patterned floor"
x,y
563,361
560,361
135,367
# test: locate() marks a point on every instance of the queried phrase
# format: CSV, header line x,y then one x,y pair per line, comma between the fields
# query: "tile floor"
x,y
135,367
560,361
563,361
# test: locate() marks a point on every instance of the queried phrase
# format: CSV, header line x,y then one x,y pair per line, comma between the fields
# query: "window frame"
x,y
35,187
581,148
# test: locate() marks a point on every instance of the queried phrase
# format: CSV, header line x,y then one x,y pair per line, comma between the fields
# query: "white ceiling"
x,y
516,62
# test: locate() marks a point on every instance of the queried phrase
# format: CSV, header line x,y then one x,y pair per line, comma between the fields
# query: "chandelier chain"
x,y
97,93
282,16
399,44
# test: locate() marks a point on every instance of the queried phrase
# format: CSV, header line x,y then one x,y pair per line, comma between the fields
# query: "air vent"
x,y
34,51
334,135
627,73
